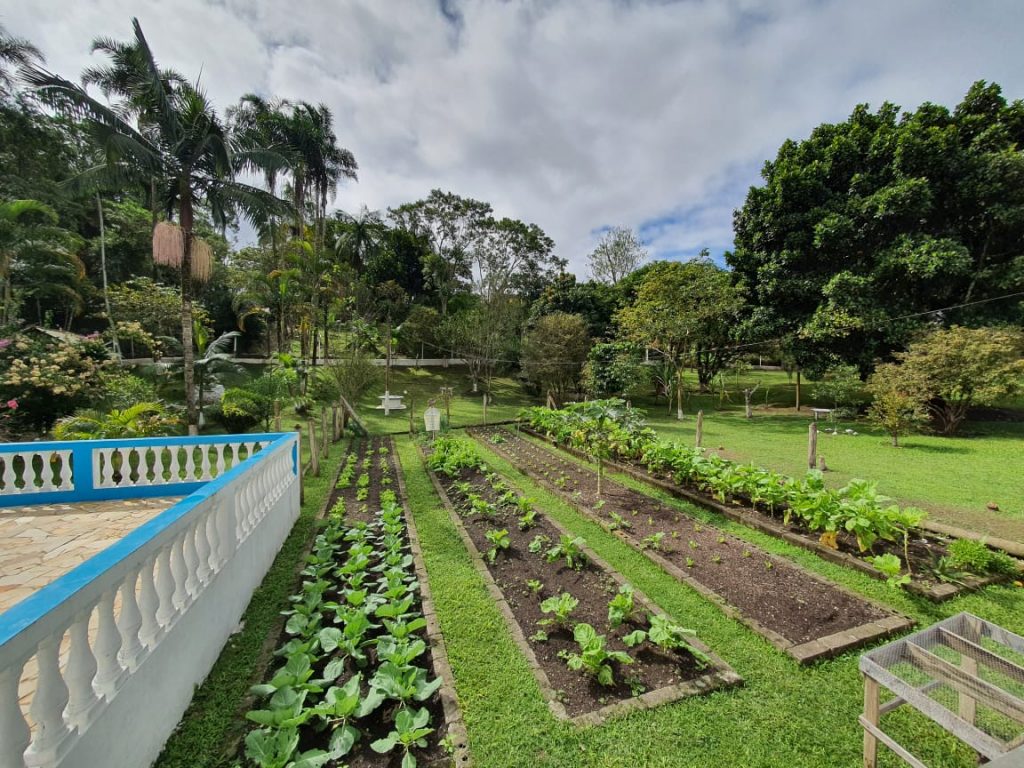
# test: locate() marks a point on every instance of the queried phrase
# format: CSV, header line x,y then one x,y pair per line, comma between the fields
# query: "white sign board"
x,y
432,419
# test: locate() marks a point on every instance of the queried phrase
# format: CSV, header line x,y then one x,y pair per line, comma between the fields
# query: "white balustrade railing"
x,y
95,470
118,644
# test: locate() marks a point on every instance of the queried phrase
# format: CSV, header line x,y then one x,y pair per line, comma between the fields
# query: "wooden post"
x,y
812,446
870,716
314,457
700,427
302,470
411,418
485,409
277,415
325,443
334,423
798,388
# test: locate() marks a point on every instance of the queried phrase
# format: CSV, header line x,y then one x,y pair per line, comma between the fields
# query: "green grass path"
x,y
784,716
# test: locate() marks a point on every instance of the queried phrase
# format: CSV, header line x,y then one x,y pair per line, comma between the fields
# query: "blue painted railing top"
x,y
37,605
98,470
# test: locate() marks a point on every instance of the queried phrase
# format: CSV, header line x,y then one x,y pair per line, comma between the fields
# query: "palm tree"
x,y
177,140
360,236
139,420
214,359
17,52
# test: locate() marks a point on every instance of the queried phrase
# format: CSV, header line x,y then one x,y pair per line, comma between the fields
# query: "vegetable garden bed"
x,y
568,610
799,612
363,678
926,549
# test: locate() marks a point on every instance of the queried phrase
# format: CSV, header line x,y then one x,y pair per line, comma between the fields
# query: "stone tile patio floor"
x,y
41,542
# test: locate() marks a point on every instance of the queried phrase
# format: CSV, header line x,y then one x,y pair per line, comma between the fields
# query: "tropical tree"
x,y
179,142
214,360
359,237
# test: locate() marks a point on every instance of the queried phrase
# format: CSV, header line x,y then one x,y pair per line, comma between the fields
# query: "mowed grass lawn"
x,y
953,478
424,384
785,716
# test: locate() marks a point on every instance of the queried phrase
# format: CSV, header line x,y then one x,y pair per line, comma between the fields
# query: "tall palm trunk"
x,y
187,353
103,271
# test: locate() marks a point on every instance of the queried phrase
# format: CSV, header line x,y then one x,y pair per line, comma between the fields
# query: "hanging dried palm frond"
x,y
202,260
168,244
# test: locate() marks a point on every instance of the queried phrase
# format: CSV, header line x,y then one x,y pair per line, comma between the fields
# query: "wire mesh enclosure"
x,y
964,673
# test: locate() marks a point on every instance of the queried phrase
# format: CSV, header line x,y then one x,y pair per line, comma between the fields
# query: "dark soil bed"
x,y
770,591
380,722
578,692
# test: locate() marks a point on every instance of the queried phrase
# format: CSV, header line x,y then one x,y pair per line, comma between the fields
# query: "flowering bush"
x,y
7,410
47,378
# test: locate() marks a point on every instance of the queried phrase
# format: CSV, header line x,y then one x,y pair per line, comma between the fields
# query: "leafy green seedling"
x,y
620,607
593,656
499,541
410,731
561,606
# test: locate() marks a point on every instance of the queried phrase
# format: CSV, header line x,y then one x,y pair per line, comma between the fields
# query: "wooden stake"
x,y
485,409
314,457
871,716
325,443
812,446
411,418
277,415
700,427
334,423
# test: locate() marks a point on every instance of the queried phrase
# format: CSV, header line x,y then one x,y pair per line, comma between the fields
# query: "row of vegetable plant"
x,y
855,517
594,638
789,605
353,680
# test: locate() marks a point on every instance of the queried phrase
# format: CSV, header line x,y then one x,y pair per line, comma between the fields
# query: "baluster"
x,y
15,735
234,454
126,466
190,463
130,622
175,469
66,481
219,448
227,530
202,532
8,476
213,534
180,596
204,452
158,465
143,467
191,558
41,480
107,471
110,673
165,588
80,673
149,606
48,704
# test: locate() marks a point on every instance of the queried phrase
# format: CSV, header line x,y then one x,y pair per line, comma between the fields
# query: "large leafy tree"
x,y
178,140
511,256
452,226
595,302
687,311
554,352
882,216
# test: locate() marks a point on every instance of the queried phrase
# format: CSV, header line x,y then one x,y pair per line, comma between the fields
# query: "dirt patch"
x,y
772,592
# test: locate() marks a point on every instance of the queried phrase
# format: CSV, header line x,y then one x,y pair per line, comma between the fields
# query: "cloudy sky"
x,y
576,115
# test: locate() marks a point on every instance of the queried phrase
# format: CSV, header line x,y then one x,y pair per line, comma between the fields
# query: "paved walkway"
x,y
40,543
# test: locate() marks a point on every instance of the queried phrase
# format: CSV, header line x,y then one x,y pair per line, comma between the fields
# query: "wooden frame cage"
x,y
965,674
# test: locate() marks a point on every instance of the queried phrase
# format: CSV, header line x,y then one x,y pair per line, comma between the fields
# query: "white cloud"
x,y
576,114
